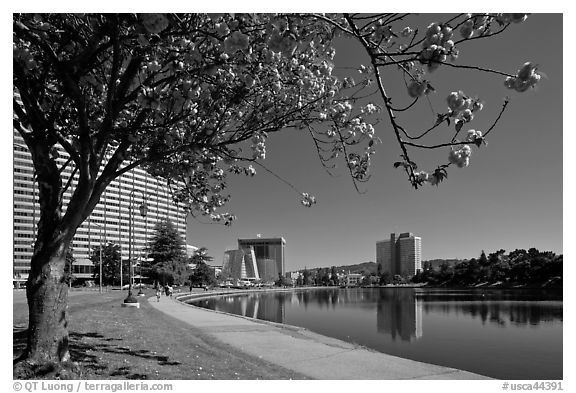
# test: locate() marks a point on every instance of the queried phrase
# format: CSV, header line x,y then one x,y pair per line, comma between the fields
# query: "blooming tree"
x,y
194,97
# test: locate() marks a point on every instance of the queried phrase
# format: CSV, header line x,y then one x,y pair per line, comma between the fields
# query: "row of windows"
x,y
20,199
23,192
160,208
23,164
151,196
20,177
23,220
82,269
18,211
21,228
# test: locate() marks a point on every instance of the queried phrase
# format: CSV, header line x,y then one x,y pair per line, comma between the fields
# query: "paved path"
x,y
303,351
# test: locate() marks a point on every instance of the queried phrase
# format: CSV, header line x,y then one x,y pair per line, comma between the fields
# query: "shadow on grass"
x,y
85,347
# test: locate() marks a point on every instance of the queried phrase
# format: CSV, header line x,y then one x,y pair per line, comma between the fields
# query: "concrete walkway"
x,y
303,351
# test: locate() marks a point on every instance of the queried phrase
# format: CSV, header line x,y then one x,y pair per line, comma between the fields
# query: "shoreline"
x,y
301,350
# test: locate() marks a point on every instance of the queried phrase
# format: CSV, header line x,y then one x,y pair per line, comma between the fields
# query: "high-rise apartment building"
x,y
400,255
267,248
108,222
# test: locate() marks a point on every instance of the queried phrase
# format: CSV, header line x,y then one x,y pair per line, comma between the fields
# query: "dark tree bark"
x,y
47,294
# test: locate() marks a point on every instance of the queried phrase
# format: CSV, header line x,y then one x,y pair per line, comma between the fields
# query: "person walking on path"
x,y
158,294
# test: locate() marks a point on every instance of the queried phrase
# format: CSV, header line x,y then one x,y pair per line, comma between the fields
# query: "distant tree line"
x,y
517,268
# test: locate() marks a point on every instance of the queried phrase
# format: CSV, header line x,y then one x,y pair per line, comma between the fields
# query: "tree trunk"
x,y
47,294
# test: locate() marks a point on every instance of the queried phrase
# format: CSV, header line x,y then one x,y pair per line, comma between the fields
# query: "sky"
x,y
509,197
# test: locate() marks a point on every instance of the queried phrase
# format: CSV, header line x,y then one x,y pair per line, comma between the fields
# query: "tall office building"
x,y
107,223
232,264
239,264
400,255
267,269
267,248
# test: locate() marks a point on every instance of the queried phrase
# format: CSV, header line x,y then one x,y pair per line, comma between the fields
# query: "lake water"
x,y
505,334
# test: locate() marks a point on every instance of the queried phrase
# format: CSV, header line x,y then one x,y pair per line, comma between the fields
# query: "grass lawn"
x,y
112,342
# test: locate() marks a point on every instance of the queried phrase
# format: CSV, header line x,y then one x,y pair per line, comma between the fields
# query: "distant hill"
x,y
364,267
372,267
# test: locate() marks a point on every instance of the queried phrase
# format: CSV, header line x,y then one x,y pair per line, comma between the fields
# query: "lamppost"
x,y
100,268
131,301
140,292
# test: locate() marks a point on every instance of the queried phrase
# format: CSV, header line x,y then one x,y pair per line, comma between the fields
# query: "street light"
x,y
143,212
130,300
100,233
140,292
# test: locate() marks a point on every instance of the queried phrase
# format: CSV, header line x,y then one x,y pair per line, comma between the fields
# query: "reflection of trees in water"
x,y
321,297
326,297
434,295
499,308
516,313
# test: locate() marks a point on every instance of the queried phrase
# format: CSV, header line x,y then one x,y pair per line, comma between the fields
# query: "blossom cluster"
x,y
425,177
460,157
225,218
475,24
438,46
341,111
463,107
307,199
525,78
474,136
258,146
370,109
358,129
250,171
511,18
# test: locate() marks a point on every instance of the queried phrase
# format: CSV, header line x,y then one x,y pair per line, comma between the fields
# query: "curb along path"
x,y
301,350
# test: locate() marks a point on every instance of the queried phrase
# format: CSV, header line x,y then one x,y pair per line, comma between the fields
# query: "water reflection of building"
x,y
269,308
399,313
